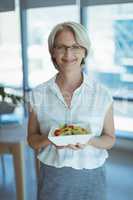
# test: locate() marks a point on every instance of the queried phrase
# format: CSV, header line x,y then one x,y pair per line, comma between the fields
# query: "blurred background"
x,y
25,62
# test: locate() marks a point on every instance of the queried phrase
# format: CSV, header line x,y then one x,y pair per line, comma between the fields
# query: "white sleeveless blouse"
x,y
89,105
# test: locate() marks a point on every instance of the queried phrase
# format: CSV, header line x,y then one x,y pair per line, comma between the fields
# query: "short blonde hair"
x,y
80,34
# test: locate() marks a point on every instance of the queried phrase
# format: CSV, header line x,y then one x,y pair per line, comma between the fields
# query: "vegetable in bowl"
x,y
70,130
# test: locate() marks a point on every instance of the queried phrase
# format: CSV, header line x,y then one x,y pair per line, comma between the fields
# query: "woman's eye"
x,y
61,47
75,47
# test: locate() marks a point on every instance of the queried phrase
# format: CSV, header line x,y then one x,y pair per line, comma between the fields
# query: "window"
x,y
40,22
10,49
111,32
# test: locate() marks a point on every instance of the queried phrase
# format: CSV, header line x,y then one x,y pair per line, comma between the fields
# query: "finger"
x,y
81,146
72,146
60,147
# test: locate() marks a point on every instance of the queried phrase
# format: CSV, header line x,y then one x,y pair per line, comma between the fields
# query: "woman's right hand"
x,y
70,146
74,146
59,147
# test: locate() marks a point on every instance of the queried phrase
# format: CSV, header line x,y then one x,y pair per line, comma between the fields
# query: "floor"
x,y
119,174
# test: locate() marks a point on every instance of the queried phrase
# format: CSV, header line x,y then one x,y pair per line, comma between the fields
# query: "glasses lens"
x,y
74,49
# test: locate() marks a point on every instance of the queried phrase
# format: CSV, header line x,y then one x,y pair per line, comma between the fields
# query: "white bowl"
x,y
68,139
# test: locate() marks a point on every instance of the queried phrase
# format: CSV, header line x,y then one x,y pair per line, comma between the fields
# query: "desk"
x,y
12,140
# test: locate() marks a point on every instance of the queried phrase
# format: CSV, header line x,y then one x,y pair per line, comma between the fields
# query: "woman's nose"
x,y
68,52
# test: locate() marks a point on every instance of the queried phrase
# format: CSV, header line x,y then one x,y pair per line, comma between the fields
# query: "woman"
x,y
72,172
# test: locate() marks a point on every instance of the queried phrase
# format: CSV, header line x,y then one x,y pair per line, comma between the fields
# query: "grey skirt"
x,y
67,183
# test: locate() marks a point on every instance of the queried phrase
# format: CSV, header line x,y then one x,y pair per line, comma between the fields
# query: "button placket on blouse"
x,y
68,119
69,109
75,97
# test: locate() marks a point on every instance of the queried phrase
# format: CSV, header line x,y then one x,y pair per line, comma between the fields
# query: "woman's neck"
x,y
69,81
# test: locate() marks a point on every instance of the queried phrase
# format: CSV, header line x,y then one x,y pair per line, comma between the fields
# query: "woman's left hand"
x,y
77,146
73,146
81,146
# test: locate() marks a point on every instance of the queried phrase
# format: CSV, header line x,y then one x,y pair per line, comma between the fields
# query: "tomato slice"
x,y
57,132
70,126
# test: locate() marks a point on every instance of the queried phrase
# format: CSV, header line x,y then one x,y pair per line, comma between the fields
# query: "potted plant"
x,y
8,101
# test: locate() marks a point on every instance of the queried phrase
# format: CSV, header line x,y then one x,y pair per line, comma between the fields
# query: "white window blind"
x,y
103,2
46,3
7,5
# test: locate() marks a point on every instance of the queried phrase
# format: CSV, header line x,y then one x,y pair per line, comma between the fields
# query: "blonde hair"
x,y
80,34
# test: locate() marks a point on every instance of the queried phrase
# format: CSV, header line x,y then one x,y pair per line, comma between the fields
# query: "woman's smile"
x,y
69,61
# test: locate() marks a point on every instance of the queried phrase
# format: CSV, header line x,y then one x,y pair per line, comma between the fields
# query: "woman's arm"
x,y
35,139
107,139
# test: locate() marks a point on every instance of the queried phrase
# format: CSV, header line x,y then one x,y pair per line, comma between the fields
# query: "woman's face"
x,y
67,53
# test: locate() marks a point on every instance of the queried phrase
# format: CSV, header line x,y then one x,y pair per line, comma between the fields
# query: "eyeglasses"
x,y
75,49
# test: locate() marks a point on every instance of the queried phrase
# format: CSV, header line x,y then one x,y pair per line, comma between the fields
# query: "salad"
x,y
70,130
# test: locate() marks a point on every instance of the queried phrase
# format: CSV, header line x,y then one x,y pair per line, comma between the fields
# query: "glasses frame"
x,y
62,49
